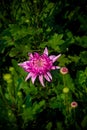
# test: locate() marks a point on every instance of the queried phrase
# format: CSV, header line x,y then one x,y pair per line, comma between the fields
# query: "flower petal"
x,y
49,74
46,51
52,57
47,77
36,55
28,76
55,67
30,55
55,58
41,80
24,64
33,78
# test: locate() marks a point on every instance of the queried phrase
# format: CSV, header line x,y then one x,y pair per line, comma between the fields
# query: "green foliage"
x,y
84,122
81,82
30,112
59,126
30,26
55,41
49,126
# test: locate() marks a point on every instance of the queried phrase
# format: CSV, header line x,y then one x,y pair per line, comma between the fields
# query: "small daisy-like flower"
x,y
40,66
64,70
74,104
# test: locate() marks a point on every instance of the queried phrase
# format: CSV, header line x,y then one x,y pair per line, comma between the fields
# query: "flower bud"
x,y
64,70
65,90
7,76
11,69
74,104
19,94
23,106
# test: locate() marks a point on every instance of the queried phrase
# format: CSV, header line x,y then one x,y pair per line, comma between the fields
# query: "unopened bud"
x,y
74,104
65,90
64,70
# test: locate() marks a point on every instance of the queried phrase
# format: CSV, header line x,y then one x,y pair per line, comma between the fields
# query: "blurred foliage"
x,y
30,26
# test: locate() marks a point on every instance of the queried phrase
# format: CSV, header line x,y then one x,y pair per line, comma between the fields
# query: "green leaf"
x,y
84,122
49,126
60,126
28,100
83,56
63,60
54,103
82,41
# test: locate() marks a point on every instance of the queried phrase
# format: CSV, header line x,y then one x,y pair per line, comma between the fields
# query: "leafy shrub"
x,y
30,26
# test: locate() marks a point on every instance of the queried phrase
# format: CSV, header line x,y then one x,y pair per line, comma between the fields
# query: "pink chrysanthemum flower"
x,y
40,66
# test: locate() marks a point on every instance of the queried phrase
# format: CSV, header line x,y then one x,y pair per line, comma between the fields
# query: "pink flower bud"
x,y
74,104
64,70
